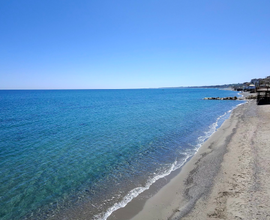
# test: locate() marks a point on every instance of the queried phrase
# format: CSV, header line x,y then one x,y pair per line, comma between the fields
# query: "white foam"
x,y
239,93
137,191
213,128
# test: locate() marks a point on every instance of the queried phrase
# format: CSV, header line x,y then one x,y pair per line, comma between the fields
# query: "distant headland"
x,y
245,86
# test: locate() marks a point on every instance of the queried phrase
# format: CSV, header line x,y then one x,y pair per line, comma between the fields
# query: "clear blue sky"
x,y
99,44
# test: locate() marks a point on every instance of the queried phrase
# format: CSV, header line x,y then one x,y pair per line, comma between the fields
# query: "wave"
x,y
137,191
213,128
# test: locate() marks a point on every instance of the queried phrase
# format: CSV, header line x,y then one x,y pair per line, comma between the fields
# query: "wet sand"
x,y
228,178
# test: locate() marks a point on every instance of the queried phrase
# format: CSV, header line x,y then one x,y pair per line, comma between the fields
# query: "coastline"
x,y
198,191
136,205
84,209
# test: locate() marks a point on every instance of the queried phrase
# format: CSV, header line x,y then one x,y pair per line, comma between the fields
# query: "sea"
x,y
62,149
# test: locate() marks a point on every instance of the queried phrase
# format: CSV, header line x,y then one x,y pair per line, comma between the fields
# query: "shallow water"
x,y
62,148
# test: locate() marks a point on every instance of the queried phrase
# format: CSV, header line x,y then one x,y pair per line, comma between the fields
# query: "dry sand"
x,y
228,178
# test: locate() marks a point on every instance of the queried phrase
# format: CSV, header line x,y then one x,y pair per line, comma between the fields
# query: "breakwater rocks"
x,y
218,98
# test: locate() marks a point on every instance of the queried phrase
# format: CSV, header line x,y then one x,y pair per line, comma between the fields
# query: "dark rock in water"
x,y
218,98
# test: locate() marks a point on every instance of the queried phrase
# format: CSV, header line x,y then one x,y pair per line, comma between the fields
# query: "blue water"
x,y
64,148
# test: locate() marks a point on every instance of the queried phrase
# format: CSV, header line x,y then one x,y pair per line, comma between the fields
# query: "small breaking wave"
x,y
213,128
137,191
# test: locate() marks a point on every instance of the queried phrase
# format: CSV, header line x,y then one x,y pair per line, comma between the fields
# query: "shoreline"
x,y
228,178
163,199
132,207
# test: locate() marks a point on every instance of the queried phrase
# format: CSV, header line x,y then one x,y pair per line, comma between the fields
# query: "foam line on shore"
x,y
195,178
137,191
213,128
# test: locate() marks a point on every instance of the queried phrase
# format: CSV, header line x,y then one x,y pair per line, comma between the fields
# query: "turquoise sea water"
x,y
63,148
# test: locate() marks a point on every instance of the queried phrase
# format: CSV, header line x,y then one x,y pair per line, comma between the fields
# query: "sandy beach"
x,y
228,178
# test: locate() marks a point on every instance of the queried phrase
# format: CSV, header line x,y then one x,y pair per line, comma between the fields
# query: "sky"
x,y
120,44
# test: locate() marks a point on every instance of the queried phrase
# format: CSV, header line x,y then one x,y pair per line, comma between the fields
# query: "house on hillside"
x,y
251,88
